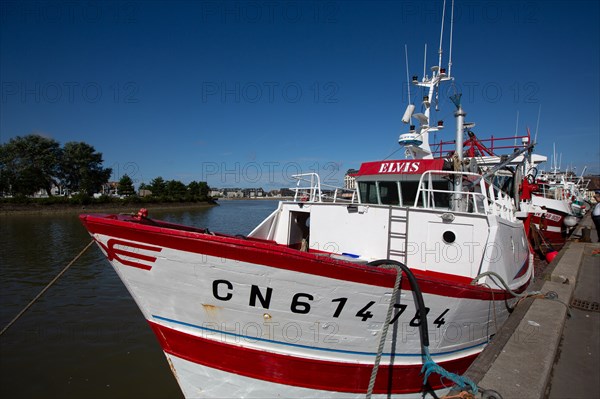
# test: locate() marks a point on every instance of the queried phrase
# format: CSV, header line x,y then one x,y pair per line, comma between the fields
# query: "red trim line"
x,y
113,253
542,223
281,257
298,371
522,270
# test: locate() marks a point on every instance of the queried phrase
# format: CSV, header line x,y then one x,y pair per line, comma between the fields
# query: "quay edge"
x,y
523,359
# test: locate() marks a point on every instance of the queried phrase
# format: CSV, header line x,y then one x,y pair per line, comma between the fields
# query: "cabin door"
x,y
298,236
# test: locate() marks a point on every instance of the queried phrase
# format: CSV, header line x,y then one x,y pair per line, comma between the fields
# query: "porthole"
x,y
449,237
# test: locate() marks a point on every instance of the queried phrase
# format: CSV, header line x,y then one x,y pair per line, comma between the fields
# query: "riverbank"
x,y
255,199
51,209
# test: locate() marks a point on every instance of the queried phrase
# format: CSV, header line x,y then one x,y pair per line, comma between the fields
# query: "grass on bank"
x,y
84,199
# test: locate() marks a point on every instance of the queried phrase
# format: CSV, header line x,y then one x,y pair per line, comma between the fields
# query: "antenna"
x,y
517,128
451,30
582,173
410,108
407,78
559,161
425,61
537,125
442,34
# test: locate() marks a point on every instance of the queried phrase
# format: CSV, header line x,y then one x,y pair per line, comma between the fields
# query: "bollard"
x,y
586,234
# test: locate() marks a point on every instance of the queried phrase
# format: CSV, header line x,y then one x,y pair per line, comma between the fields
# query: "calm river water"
x,y
85,338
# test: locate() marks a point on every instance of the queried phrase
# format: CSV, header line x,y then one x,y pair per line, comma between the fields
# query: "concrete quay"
x,y
541,352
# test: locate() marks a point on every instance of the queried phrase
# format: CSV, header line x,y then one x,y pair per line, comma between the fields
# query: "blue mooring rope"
x,y
430,366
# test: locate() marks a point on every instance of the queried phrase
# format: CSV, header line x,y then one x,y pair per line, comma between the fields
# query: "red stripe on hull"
x,y
281,257
113,253
298,371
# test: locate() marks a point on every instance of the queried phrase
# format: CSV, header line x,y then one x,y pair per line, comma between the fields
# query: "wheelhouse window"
x,y
441,195
409,192
505,183
380,192
368,192
404,193
388,193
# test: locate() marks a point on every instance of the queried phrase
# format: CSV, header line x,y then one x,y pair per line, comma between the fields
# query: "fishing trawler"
x,y
562,196
339,293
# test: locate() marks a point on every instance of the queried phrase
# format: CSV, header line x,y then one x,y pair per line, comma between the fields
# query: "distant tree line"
x,y
174,190
32,163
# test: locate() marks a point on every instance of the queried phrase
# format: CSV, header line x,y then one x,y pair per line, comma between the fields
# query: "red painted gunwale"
x,y
268,253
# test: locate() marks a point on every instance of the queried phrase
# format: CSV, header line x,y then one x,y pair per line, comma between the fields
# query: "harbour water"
x,y
85,338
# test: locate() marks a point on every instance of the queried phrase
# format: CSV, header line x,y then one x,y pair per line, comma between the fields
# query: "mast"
x,y
425,61
416,141
451,30
442,35
457,197
516,129
580,180
554,163
410,108
537,125
560,161
407,81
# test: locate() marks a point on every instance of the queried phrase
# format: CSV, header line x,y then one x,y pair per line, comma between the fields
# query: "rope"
x,y
495,276
493,306
38,296
460,395
430,367
456,163
550,295
553,296
384,329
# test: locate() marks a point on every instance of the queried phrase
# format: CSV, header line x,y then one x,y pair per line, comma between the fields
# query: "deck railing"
x,y
478,195
474,146
309,188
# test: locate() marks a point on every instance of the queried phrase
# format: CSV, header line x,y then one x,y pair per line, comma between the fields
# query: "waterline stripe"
x,y
308,346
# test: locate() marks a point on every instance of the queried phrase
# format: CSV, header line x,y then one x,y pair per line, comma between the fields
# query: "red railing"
x,y
474,146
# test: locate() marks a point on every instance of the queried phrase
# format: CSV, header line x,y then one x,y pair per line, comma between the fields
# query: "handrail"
x,y
492,142
314,188
314,191
489,199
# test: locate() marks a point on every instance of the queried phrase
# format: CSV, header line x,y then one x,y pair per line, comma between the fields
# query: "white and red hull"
x,y
552,226
551,222
251,318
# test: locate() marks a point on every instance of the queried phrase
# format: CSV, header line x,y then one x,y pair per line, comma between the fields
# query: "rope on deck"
x,y
38,296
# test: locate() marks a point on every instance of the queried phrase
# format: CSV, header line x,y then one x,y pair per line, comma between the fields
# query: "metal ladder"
x,y
398,231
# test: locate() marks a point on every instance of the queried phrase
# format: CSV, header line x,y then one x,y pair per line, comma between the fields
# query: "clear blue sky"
x,y
246,94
